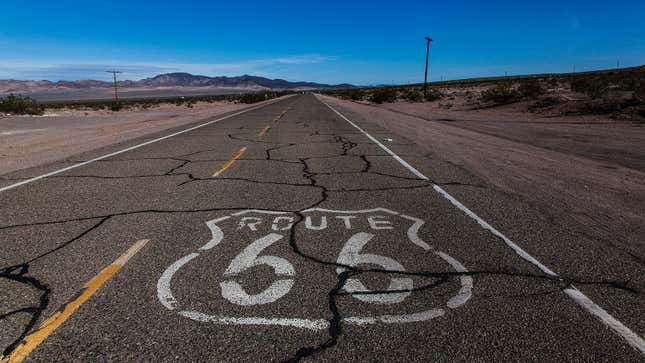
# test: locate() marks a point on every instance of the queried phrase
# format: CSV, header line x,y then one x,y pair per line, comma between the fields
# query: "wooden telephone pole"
x,y
425,80
116,93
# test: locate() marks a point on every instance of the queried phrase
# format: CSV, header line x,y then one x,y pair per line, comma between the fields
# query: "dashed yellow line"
x,y
281,115
32,340
230,162
264,130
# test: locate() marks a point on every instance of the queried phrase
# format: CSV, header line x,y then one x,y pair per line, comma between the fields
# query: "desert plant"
x,y
544,102
412,95
252,97
382,95
433,95
501,94
639,91
530,88
594,88
355,94
552,81
20,105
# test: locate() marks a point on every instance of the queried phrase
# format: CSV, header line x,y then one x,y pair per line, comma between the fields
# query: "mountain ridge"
x,y
177,79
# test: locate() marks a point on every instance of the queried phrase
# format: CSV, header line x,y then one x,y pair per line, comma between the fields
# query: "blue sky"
x,y
362,42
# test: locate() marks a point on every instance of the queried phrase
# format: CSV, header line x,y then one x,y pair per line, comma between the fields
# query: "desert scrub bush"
x,y
252,97
433,95
639,92
501,94
20,105
412,95
593,88
552,82
545,102
383,95
530,88
354,94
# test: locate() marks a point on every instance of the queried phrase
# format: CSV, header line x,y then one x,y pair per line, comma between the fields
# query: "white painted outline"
x,y
576,295
55,172
166,298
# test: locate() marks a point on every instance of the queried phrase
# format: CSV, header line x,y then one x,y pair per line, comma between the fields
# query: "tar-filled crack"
x,y
346,144
335,329
19,272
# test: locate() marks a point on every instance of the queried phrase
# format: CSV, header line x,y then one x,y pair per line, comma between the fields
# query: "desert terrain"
x,y
585,170
27,141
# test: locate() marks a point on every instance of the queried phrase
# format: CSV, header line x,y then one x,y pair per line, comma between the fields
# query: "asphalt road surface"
x,y
287,232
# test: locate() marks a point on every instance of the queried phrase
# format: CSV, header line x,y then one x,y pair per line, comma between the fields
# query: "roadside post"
x,y
425,81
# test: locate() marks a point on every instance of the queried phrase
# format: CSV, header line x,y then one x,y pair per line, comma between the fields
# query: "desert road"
x,y
288,231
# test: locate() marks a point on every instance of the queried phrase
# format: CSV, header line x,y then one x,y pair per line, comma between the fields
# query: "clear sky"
x,y
362,42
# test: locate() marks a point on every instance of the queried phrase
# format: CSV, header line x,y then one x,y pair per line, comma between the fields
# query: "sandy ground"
x,y
587,170
27,141
621,143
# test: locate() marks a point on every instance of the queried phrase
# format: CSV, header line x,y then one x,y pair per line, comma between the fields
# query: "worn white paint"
x,y
352,255
312,324
310,225
576,295
249,258
465,293
19,132
379,222
347,220
164,293
278,224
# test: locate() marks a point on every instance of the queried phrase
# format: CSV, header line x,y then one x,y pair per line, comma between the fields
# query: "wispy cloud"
x,y
52,70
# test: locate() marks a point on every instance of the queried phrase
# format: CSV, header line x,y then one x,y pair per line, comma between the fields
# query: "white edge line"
x,y
586,303
576,295
134,147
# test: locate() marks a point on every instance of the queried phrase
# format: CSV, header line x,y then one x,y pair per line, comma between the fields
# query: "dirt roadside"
x,y
594,176
27,141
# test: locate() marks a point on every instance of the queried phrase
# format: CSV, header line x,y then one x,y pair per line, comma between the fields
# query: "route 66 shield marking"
x,y
365,230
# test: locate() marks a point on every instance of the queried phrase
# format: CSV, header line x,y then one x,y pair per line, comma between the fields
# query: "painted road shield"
x,y
303,269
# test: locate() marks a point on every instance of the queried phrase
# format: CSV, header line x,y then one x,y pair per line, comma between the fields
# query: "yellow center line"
x,y
281,115
230,162
32,340
264,130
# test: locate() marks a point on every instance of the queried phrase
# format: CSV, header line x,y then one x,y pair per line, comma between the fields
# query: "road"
x,y
288,232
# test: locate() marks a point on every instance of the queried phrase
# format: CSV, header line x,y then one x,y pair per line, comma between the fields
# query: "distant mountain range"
x,y
169,80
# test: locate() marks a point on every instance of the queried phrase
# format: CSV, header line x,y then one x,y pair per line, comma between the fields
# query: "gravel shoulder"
x,y
27,141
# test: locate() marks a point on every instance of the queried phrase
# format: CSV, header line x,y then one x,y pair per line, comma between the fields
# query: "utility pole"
x,y
116,93
425,80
